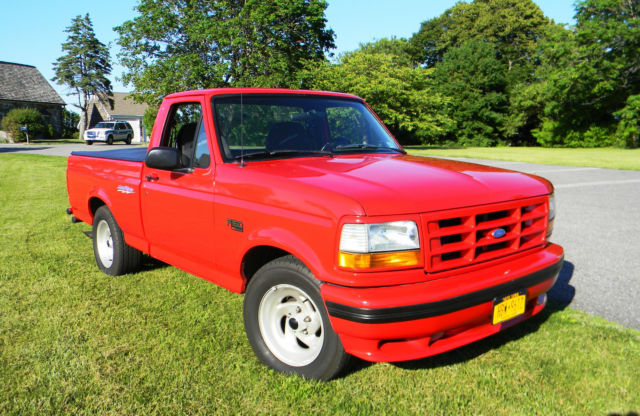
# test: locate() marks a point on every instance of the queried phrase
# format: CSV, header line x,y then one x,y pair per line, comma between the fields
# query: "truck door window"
x,y
201,158
185,132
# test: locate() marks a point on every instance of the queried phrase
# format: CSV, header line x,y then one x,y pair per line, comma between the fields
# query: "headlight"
x,y
389,244
552,214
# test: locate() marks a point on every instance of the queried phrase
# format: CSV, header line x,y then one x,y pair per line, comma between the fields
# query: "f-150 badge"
x,y
125,189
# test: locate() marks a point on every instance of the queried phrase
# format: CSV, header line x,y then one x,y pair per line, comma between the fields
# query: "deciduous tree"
x,y
589,77
174,45
400,93
474,80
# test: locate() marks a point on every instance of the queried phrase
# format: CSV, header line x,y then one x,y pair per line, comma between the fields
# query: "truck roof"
x,y
224,91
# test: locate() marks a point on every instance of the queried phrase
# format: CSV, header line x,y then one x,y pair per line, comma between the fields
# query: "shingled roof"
x,y
20,82
123,105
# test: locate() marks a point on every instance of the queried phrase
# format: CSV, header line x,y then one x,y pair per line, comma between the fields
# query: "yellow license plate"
x,y
509,307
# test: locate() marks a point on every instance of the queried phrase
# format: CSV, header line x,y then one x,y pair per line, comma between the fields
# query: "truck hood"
x,y
400,184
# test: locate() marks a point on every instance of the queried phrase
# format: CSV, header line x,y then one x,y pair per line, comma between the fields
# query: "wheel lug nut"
x,y
293,323
307,319
298,309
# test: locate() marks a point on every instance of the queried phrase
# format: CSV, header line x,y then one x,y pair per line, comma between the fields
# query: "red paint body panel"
x,y
368,341
299,205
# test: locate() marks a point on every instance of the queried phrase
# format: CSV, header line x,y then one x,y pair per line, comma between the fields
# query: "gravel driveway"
x,y
598,224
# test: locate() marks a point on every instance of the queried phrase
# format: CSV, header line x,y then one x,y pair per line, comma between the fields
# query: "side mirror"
x,y
164,158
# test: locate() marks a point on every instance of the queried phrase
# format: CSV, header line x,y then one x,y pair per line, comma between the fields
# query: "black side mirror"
x,y
165,158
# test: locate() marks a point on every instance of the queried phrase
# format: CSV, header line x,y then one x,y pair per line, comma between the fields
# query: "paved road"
x,y
598,224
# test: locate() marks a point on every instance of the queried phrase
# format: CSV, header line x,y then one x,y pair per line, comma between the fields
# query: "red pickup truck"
x,y
343,244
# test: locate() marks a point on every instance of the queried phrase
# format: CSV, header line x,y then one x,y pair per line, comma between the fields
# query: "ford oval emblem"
x,y
498,233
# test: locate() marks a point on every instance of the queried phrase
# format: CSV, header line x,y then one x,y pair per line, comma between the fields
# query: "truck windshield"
x,y
264,127
104,126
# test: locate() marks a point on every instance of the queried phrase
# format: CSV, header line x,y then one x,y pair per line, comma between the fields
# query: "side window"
x,y
201,158
185,132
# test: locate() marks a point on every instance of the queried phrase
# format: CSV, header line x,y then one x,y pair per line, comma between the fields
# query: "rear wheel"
x,y
287,324
113,255
128,141
110,140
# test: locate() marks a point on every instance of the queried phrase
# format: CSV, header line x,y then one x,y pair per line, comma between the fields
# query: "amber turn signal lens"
x,y
379,260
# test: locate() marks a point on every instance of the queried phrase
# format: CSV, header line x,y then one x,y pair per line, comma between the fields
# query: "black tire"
x,y
272,285
128,141
113,255
110,140
89,142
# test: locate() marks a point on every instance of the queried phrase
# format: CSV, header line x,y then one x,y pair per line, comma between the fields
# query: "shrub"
x,y
18,117
628,131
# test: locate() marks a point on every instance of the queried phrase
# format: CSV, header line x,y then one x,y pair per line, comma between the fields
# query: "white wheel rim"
x,y
104,243
291,325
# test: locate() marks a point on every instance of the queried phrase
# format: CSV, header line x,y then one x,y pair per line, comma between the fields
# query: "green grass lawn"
x,y
55,141
75,341
609,158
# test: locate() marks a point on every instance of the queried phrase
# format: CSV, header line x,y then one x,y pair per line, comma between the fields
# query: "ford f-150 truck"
x,y
342,243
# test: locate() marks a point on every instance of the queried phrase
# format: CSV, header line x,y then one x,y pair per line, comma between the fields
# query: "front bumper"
x,y
412,321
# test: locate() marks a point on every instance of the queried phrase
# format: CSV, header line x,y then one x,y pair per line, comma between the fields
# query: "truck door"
x,y
177,206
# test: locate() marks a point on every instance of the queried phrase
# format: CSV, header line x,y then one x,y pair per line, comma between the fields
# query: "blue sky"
x,y
32,31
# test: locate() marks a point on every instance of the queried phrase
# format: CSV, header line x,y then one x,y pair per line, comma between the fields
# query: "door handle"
x,y
151,178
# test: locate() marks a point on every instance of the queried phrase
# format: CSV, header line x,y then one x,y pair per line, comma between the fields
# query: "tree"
x,y
628,131
401,94
70,122
85,65
175,45
589,77
514,28
474,80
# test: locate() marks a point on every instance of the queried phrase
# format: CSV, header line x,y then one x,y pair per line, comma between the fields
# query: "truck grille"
x,y
467,236
91,134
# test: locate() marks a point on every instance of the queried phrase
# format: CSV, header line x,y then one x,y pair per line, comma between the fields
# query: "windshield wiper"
x,y
364,146
280,152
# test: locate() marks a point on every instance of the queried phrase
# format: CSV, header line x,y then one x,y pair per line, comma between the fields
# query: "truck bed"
x,y
136,154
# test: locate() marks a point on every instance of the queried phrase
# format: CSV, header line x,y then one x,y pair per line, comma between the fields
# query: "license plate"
x,y
509,307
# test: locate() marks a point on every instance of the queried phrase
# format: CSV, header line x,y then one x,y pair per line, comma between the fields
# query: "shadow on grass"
x,y
20,149
564,294
148,262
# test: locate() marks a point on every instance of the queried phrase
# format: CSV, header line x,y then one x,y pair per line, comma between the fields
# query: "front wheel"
x,y
89,142
113,255
110,140
286,322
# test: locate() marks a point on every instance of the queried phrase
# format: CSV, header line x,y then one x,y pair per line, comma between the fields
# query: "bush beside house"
x,y
29,117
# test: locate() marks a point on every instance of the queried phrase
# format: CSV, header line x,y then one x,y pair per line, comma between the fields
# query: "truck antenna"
x,y
244,4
